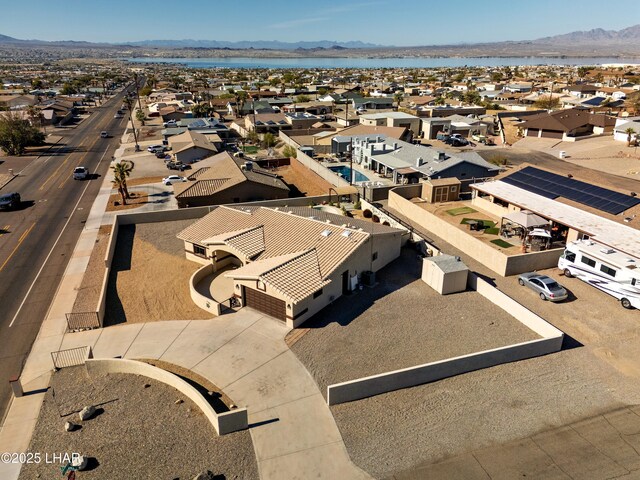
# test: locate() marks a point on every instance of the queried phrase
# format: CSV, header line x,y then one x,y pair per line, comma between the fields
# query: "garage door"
x,y
265,303
551,134
532,132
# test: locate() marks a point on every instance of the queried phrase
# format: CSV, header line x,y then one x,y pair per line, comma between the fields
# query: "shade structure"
x,y
526,219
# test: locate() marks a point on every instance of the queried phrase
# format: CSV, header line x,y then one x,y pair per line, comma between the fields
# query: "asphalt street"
x,y
37,240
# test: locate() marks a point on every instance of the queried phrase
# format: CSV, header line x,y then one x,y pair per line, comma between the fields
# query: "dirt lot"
x,y
597,371
602,154
150,276
307,182
89,291
407,320
129,438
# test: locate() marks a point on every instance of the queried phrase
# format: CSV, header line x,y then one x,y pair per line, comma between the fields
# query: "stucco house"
x,y
567,124
288,262
191,146
226,179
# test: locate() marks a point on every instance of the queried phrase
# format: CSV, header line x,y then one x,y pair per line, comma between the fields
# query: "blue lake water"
x,y
345,171
409,62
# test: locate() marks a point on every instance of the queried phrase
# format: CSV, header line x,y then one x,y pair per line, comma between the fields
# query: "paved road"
x,y
36,241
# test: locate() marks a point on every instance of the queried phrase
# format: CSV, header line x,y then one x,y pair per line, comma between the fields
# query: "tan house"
x,y
227,179
288,262
190,146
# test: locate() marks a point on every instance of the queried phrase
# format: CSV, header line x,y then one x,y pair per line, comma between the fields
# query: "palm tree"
x,y
629,131
121,171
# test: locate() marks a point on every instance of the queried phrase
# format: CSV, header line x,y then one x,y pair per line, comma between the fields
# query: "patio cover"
x,y
346,190
526,219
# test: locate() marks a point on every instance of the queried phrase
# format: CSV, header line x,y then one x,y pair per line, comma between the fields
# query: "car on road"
x,y
154,148
80,173
546,287
119,114
161,154
171,179
104,134
9,201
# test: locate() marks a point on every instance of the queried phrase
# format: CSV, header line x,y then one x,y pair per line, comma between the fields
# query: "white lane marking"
x,y
55,244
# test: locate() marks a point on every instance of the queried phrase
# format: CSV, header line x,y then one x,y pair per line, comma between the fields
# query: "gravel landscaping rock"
x,y
162,440
149,280
399,323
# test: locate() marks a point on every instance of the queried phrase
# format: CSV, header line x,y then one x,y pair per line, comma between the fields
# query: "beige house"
x,y
392,119
190,146
227,179
288,262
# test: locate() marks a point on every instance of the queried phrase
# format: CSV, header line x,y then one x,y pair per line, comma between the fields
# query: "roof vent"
x,y
346,234
607,250
328,221
325,233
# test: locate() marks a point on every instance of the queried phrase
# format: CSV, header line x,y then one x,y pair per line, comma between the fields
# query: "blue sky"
x,y
397,22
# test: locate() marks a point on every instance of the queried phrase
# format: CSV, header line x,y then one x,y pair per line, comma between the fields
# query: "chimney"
x,y
419,162
248,165
395,145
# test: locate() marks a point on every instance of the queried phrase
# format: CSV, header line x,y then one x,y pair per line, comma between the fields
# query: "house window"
x,y
317,293
200,250
588,261
374,257
608,270
453,188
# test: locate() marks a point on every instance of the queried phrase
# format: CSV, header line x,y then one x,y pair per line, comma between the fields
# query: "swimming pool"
x,y
345,171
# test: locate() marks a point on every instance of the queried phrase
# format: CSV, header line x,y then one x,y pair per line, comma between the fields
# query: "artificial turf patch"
x,y
460,211
501,243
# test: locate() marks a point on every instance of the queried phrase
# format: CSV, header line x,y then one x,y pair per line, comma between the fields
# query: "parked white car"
x,y
171,179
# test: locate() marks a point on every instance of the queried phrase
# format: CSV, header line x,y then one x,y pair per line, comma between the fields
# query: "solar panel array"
x,y
551,185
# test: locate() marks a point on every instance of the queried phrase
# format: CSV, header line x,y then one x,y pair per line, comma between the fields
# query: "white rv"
x,y
613,272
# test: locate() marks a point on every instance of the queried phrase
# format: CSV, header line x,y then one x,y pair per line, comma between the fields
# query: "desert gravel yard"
x,y
89,291
400,323
149,278
139,431
598,371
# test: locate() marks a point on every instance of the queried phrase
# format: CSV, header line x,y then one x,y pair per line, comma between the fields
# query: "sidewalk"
x,y
293,431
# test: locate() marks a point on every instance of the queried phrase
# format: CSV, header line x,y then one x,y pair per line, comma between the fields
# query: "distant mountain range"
x,y
597,35
257,44
578,43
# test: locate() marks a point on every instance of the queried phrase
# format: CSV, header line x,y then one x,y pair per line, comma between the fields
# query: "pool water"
x,y
345,171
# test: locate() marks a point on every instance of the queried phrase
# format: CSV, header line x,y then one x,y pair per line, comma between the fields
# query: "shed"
x,y
436,190
445,274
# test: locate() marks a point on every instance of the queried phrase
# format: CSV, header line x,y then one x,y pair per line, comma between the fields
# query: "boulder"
x,y
80,462
70,426
87,412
